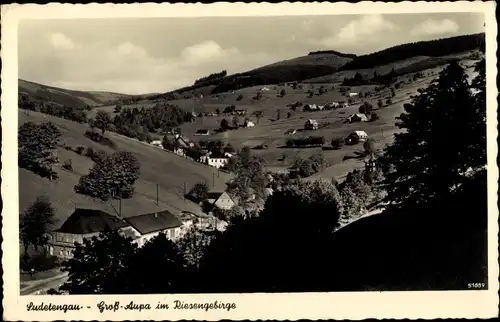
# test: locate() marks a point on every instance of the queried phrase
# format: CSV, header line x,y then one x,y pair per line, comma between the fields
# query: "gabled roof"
x,y
360,133
152,222
86,221
218,155
214,195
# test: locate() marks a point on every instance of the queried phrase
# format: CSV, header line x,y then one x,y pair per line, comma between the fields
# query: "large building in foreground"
x,y
86,223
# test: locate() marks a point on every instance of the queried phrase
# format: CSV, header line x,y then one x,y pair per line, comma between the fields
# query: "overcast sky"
x,y
149,55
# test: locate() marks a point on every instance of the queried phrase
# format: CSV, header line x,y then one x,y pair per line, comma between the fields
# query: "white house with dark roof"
x,y
81,224
147,226
221,200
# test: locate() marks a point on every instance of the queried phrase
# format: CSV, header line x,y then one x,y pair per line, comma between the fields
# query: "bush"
x,y
239,98
373,117
68,165
98,156
366,108
337,143
80,149
40,263
224,125
89,153
305,142
99,138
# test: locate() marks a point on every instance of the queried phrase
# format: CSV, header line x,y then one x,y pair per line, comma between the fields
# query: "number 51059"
x,y
476,285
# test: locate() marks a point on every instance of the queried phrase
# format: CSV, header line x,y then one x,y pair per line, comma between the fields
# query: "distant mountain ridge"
x,y
314,65
61,96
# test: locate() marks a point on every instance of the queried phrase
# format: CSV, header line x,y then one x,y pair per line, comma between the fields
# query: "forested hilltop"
x,y
433,48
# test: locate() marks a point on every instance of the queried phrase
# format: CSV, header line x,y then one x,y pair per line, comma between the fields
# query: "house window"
x,y
59,237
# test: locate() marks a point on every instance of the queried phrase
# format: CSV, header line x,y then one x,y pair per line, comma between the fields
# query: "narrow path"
x,y
45,284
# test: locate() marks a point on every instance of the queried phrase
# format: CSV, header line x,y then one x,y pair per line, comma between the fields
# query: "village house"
x,y
180,151
343,104
310,107
216,159
82,223
181,145
311,125
202,132
249,123
358,117
87,223
353,94
147,226
157,143
240,112
356,137
220,200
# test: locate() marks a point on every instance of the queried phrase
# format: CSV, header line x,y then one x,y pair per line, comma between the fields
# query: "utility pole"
x,y
157,194
213,179
184,195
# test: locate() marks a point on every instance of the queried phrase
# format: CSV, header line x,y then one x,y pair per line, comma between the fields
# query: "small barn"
x,y
358,117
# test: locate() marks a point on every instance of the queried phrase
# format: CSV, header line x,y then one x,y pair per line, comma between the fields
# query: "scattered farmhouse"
x,y
147,226
290,132
356,137
358,117
82,223
157,143
310,107
264,89
183,141
180,151
353,94
220,200
249,123
202,132
311,125
333,105
240,112
216,159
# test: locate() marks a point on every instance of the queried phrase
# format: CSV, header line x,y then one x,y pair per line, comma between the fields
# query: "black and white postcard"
x,y
249,161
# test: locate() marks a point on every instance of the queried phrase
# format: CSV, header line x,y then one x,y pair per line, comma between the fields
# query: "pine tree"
x,y
444,136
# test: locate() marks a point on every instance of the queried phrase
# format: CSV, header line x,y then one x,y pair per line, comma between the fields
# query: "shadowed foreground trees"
x,y
36,223
283,249
112,264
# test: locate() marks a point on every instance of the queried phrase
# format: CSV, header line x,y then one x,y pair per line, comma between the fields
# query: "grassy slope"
x,y
272,133
68,97
167,170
